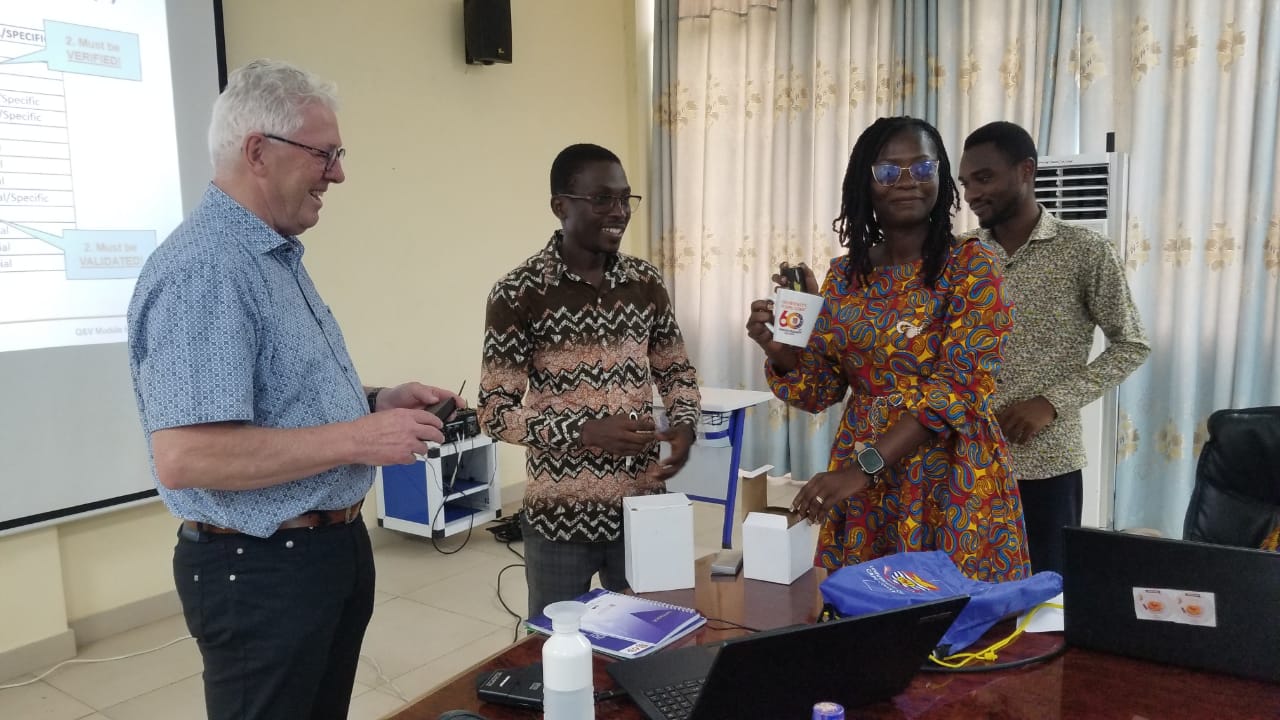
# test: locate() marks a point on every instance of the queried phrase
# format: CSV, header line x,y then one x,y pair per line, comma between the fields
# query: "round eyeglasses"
x,y
887,174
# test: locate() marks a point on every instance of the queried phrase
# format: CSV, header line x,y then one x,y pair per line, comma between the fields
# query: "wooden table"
x,y
1078,684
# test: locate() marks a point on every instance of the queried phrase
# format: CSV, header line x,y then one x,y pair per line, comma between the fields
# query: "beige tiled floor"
x,y
436,615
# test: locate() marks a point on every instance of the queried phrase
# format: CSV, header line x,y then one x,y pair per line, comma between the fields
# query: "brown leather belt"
x,y
313,519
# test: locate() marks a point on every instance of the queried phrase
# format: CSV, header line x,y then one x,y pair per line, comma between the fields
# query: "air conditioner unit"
x,y
1088,190
1091,190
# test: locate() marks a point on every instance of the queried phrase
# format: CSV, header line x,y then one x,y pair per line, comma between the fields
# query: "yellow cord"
x,y
959,660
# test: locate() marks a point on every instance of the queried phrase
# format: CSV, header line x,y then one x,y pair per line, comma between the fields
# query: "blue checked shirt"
x,y
225,325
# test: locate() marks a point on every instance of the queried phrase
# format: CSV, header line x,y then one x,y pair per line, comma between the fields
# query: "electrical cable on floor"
x,y
515,633
514,551
77,661
383,679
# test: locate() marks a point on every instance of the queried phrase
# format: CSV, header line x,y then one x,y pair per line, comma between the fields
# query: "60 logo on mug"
x,y
790,319
794,316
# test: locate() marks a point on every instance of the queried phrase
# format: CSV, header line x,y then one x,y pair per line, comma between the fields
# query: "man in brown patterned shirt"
x,y
575,338
1065,280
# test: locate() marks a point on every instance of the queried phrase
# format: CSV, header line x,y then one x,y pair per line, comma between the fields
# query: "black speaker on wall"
x,y
487,25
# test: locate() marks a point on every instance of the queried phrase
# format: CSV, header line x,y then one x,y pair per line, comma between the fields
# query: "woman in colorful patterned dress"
x,y
914,325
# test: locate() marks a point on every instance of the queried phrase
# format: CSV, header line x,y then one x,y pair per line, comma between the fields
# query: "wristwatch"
x,y
372,397
870,460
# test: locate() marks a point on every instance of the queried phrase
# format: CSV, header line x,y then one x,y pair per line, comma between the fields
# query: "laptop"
x,y
782,673
1210,607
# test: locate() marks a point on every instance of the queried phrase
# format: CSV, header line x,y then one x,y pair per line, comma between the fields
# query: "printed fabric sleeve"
x,y
669,363
1110,304
196,341
816,383
504,378
978,318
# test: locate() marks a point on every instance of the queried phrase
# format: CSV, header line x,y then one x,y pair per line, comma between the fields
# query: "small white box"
x,y
658,533
775,548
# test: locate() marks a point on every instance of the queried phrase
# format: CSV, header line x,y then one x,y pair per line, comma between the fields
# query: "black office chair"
x,y
1236,499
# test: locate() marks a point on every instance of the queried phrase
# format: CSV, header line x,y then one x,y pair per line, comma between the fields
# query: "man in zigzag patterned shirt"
x,y
575,338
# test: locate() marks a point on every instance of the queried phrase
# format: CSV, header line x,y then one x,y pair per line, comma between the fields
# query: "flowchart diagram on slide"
x,y
36,197
77,199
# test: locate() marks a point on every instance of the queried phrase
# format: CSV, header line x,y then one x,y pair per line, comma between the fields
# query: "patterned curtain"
x,y
1193,96
756,114
761,100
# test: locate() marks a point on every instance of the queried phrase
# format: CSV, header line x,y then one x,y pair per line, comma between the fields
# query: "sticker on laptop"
x,y
1186,607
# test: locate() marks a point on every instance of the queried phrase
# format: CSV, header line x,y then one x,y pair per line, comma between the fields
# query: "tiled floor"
x,y
436,615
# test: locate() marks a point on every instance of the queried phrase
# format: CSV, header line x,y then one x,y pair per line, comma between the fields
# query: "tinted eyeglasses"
x,y
602,204
923,171
330,157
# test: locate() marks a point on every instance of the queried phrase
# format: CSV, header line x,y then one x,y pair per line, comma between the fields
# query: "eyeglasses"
x,y
330,157
888,174
601,204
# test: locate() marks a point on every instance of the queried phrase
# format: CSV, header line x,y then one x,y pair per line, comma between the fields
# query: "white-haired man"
x,y
262,437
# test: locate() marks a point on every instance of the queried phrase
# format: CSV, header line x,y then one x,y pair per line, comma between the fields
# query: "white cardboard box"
x,y
777,548
658,533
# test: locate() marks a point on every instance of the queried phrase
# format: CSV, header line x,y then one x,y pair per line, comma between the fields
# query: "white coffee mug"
x,y
794,314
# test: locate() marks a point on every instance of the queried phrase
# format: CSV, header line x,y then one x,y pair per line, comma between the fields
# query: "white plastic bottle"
x,y
567,690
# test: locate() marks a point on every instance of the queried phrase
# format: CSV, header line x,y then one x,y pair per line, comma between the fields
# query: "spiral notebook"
x,y
628,626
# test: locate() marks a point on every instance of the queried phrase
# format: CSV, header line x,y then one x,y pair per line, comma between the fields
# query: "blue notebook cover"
x,y
628,626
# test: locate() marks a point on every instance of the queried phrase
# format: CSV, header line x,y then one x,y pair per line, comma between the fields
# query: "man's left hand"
x,y
681,439
1024,420
416,396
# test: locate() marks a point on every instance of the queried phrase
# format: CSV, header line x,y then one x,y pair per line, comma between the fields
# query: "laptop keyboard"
x,y
676,701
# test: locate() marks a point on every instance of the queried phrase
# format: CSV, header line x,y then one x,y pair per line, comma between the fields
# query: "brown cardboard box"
x,y
752,492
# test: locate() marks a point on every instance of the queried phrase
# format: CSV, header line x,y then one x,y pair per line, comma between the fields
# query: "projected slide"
x,y
88,165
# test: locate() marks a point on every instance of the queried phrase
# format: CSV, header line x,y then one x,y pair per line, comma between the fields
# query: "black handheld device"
x,y
794,276
443,409
521,687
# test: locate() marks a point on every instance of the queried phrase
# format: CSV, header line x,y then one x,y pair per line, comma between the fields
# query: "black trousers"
x,y
279,621
558,571
1048,506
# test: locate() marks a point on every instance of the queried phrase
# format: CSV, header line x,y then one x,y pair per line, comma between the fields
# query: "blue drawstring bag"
x,y
911,578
